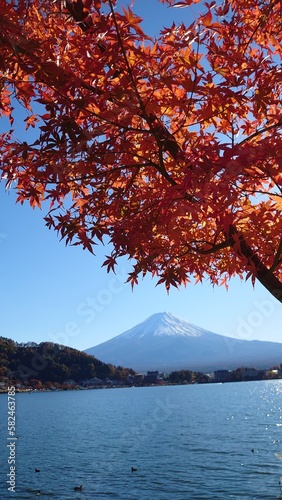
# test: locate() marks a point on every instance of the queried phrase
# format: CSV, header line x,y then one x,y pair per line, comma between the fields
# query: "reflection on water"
x,y
215,441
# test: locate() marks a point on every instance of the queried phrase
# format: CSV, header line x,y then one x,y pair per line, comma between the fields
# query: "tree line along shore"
x,y
48,366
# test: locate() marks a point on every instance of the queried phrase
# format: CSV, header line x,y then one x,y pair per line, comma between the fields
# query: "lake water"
x,y
214,441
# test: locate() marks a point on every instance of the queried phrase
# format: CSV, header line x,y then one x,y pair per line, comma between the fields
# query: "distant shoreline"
x,y
34,391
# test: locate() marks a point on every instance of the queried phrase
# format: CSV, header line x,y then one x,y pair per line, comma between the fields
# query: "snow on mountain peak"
x,y
163,324
166,343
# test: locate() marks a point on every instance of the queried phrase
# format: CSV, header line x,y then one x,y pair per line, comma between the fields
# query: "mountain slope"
x,y
166,343
49,362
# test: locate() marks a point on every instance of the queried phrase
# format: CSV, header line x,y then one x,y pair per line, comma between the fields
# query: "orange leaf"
x,y
207,19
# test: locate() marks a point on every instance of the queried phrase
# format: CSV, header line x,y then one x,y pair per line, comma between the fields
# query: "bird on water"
x,y
78,488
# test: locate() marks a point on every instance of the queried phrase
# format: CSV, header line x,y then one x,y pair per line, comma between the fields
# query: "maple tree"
x,y
168,148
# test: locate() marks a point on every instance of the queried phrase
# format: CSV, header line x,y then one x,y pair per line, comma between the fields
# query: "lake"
x,y
212,441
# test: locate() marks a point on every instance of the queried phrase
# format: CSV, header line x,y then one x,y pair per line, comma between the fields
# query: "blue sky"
x,y
50,292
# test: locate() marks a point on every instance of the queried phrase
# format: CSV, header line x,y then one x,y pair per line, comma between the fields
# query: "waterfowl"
x,y
78,488
133,469
37,470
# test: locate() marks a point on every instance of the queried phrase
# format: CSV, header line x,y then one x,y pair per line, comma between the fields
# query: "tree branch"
x,y
264,275
261,131
277,259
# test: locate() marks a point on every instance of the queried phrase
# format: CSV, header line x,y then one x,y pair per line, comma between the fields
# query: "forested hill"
x,y
49,362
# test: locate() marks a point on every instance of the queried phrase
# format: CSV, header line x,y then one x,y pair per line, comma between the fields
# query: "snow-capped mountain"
x,y
166,343
162,324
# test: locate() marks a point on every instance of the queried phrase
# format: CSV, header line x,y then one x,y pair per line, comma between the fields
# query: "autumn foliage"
x,y
170,148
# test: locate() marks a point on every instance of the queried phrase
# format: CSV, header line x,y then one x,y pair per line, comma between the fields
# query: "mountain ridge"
x,y
164,324
166,343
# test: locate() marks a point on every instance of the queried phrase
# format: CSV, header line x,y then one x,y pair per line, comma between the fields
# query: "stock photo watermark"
x,y
12,439
87,310
255,318
247,325
90,307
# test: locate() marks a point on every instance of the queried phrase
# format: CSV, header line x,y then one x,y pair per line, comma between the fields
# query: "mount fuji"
x,y
166,343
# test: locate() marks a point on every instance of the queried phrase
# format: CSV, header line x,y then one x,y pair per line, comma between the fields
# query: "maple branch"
x,y
80,14
195,74
163,137
215,247
264,275
261,23
89,178
261,131
129,69
161,168
277,260
135,183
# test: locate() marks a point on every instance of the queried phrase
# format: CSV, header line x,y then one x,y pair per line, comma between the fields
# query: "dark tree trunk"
x,y
264,275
